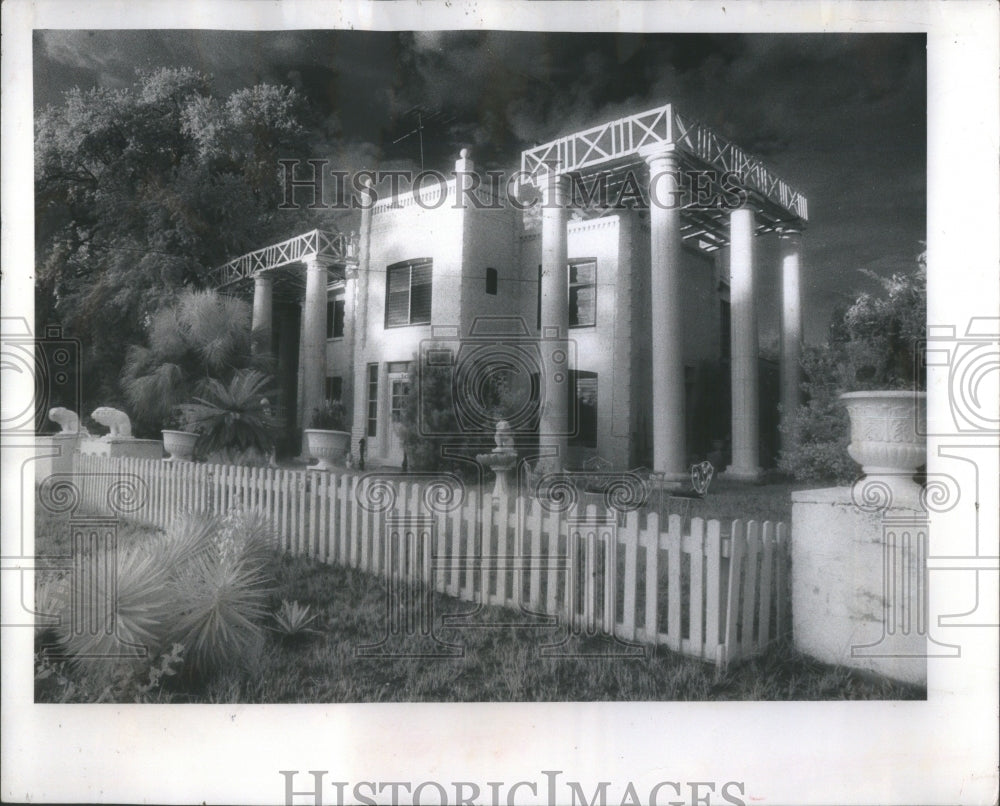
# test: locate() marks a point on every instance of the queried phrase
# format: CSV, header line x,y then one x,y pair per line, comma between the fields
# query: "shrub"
x,y
874,344
329,417
232,419
202,586
201,335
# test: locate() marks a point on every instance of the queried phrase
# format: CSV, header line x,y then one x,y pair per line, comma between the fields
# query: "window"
x,y
334,388
408,293
372,399
582,293
335,318
725,328
491,281
582,409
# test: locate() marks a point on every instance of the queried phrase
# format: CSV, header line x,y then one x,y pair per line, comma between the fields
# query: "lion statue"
x,y
114,419
68,420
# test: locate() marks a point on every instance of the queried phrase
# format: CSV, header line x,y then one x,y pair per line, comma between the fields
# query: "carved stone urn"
x,y
888,435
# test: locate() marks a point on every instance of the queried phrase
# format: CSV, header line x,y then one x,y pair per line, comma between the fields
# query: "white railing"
x,y
713,591
336,246
618,139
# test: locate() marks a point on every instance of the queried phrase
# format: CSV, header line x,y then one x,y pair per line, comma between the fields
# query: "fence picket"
x,y
553,562
631,541
651,539
486,553
674,539
455,557
696,594
737,551
782,620
766,561
747,643
713,589
533,524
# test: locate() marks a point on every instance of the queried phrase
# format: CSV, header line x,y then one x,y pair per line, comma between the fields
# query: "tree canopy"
x,y
140,191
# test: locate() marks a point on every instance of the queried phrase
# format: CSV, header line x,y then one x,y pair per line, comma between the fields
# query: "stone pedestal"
x,y
859,583
55,454
122,446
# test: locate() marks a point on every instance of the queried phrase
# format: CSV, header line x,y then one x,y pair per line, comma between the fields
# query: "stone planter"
x,y
329,447
887,436
180,445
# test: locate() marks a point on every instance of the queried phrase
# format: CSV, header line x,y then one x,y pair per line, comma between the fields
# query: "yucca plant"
x,y
292,620
235,417
203,585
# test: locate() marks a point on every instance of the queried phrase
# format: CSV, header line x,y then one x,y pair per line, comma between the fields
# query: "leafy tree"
x,y
140,191
202,336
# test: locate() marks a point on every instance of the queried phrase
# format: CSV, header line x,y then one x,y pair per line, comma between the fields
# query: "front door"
x,y
399,388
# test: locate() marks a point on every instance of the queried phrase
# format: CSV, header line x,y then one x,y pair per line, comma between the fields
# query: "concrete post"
x,y
314,338
555,320
666,287
791,327
359,423
261,326
744,348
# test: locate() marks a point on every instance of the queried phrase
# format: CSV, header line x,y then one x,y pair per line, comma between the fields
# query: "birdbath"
x,y
501,460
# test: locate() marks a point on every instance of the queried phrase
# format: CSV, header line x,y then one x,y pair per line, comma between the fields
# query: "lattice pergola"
x,y
278,259
612,150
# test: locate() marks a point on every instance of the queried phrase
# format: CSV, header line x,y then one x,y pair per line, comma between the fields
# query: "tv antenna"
x,y
424,117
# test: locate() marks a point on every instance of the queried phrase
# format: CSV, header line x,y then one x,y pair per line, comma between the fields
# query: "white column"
x,y
791,326
744,348
313,338
666,290
261,327
555,320
359,426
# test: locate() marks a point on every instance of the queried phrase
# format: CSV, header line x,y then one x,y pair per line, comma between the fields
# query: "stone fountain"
x,y
501,460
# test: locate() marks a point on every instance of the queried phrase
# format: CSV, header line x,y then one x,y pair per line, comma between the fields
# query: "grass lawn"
x,y
494,662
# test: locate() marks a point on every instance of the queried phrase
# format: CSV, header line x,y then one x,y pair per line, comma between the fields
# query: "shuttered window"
x,y
583,294
408,293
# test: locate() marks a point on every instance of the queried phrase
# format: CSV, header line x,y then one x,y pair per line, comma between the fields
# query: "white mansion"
x,y
601,311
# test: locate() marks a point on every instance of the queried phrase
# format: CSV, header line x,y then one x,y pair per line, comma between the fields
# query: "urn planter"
x,y
888,435
329,447
180,445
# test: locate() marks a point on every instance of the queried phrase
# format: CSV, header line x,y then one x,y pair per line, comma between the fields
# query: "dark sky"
x,y
841,117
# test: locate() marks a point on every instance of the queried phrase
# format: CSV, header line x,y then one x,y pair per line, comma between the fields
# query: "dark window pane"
x,y
583,294
420,294
338,318
330,316
397,301
491,281
372,399
582,408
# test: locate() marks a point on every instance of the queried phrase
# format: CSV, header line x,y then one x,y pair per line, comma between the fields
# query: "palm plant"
x,y
293,620
201,335
202,585
234,418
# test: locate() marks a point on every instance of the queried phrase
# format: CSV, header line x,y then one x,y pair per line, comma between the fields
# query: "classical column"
x,y
744,348
791,326
359,424
314,338
666,290
261,329
555,320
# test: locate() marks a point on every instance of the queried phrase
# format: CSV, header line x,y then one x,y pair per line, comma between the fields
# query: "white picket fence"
x,y
718,592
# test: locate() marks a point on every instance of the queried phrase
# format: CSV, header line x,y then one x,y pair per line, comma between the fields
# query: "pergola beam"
x,y
337,247
620,140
